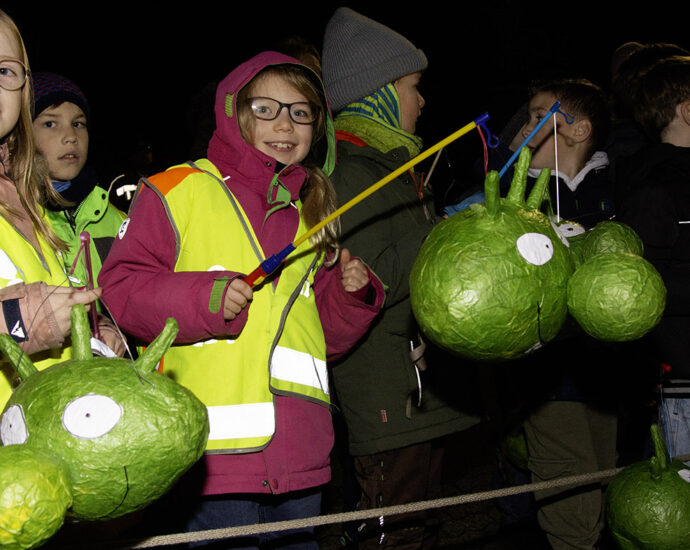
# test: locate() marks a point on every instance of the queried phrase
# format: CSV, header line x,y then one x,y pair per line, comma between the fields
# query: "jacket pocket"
x,y
547,469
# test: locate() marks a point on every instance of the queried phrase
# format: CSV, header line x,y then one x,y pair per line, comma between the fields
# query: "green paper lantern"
x,y
648,503
120,432
34,496
515,448
616,297
493,282
491,287
609,237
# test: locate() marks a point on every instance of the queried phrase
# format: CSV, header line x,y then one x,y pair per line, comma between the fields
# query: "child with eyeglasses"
x,y
35,293
255,356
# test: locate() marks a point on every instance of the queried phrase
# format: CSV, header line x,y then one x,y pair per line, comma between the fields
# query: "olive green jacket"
x,y
376,383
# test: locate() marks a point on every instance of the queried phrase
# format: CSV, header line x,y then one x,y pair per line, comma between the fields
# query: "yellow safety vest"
x,y
280,351
21,263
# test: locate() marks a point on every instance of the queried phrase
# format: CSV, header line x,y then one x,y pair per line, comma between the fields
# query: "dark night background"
x,y
140,65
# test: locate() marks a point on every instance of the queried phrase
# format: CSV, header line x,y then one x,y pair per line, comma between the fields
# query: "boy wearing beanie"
x,y
395,408
62,137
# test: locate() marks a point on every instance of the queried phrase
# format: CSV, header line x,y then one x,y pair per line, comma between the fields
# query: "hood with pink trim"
x,y
227,135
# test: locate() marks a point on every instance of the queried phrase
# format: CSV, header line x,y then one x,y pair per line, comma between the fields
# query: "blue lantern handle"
x,y
555,108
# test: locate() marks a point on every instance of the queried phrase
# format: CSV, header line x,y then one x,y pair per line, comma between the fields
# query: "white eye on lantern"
x,y
91,416
535,248
13,426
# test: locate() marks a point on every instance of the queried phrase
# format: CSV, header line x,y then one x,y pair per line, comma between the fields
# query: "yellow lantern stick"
x,y
269,265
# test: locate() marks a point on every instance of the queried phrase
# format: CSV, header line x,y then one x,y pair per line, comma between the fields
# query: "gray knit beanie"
x,y
360,56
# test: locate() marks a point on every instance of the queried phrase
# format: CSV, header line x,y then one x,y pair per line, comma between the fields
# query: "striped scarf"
x,y
376,120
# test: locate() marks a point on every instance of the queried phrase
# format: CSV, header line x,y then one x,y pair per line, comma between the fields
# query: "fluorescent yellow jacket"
x,y
21,263
281,349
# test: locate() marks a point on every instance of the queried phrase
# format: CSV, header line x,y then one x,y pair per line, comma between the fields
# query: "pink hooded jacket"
x,y
141,289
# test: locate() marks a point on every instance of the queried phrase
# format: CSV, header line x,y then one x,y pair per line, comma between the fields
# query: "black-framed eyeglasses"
x,y
267,108
13,74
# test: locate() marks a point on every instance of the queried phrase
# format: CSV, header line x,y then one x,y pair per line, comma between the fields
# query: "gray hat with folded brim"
x,y
360,56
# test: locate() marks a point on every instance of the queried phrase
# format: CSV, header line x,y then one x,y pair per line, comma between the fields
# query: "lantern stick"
x,y
271,264
555,108
85,239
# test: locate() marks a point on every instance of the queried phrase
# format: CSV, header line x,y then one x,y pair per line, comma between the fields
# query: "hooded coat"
x,y
141,289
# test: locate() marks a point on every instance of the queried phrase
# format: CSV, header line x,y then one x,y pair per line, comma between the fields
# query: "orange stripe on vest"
x,y
168,180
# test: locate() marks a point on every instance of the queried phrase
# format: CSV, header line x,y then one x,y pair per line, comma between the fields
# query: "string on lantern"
x,y
270,264
558,183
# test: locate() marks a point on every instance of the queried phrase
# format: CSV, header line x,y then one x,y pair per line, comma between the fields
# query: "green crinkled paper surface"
x,y
91,437
34,495
646,515
648,503
608,237
616,297
161,433
493,282
473,293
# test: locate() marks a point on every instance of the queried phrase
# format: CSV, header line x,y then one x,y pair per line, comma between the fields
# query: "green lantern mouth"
x,y
113,513
540,341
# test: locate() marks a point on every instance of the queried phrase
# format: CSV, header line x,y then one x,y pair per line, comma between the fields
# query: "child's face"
x,y
411,101
62,138
10,102
541,145
281,138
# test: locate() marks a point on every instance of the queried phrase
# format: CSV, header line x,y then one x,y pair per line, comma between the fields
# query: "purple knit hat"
x,y
52,89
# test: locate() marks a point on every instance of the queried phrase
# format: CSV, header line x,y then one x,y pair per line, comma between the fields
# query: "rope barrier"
x,y
247,530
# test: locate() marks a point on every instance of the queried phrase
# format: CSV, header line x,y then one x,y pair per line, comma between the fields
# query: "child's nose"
x,y
70,135
283,120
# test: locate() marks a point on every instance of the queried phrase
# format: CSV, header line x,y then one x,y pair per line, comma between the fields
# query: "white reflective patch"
x,y
299,367
685,474
216,268
123,229
13,426
9,271
567,230
305,289
101,349
91,416
75,280
238,421
535,248
213,341
17,330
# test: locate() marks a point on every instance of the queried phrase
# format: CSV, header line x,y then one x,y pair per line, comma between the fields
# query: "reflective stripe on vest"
x,y
281,349
301,368
241,421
